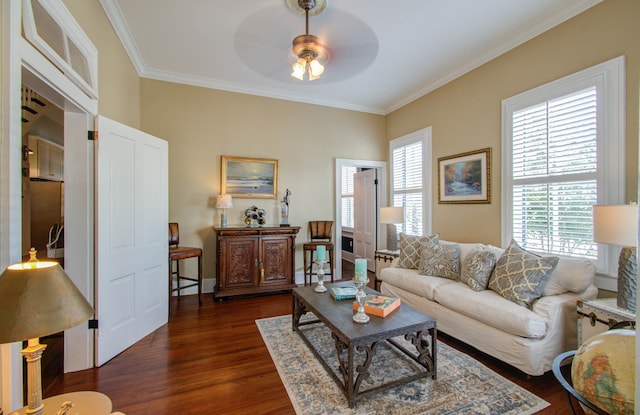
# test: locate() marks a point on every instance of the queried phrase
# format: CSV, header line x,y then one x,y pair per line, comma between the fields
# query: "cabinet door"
x,y
275,266
238,261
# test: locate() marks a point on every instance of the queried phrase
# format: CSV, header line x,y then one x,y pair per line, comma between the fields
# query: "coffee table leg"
x,y
426,355
353,375
298,310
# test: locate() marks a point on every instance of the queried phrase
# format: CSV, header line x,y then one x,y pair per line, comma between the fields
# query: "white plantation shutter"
x,y
555,185
407,185
347,196
562,153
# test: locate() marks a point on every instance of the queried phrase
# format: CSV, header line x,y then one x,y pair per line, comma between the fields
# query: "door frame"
x,y
381,169
22,63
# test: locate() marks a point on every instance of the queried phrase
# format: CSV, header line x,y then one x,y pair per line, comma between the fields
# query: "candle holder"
x,y
360,316
320,288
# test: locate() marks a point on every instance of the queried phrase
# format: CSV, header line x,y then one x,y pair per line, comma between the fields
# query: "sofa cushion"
x,y
440,261
410,248
492,309
477,267
574,275
410,280
519,275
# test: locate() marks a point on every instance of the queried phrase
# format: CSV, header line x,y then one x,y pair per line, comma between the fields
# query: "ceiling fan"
x,y
311,54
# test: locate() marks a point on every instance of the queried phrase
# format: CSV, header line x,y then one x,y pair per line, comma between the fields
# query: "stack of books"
x,y
379,305
343,293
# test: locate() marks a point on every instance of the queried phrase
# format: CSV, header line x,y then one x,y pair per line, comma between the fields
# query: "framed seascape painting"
x,y
249,177
465,178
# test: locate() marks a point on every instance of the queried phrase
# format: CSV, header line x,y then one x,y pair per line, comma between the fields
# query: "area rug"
x,y
463,385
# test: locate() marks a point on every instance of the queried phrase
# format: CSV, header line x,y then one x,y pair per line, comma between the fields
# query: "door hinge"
x,y
93,324
92,135
375,182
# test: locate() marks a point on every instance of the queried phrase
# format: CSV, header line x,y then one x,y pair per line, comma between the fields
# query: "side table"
x,y
599,315
84,403
383,260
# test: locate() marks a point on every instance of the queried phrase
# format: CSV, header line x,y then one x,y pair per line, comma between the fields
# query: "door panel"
x,y
364,204
132,217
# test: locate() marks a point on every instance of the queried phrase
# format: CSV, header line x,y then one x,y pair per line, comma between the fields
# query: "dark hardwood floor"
x,y
211,360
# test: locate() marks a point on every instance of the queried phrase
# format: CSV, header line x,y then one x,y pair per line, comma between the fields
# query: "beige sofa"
x,y
528,338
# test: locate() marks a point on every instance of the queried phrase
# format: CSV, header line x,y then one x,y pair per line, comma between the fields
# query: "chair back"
x,y
174,234
320,230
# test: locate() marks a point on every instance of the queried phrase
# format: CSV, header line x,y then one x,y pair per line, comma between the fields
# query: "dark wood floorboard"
x,y
212,360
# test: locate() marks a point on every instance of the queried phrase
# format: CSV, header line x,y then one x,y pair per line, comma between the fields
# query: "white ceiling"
x,y
383,53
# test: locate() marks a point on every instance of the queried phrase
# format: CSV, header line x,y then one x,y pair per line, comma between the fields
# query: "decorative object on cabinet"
x,y
465,177
223,202
284,209
255,260
47,159
600,315
255,216
176,254
38,299
618,225
392,216
320,233
249,177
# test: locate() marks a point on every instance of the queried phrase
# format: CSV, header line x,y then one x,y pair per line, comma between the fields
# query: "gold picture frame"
x,y
465,177
244,177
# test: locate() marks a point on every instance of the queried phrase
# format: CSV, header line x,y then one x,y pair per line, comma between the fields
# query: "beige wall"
x,y
466,114
203,124
118,81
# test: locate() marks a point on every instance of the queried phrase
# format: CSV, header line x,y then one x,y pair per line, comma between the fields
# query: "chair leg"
x,y
304,270
170,283
178,276
331,264
199,279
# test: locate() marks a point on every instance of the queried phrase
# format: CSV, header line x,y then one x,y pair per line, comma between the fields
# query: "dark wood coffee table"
x,y
416,327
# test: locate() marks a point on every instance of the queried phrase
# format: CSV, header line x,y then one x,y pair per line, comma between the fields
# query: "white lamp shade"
x,y
392,215
615,224
223,202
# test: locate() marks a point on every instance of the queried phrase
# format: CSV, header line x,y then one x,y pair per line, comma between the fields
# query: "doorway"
x,y
343,225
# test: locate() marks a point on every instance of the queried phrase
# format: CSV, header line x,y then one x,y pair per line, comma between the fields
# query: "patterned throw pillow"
x,y
410,247
440,261
477,268
520,275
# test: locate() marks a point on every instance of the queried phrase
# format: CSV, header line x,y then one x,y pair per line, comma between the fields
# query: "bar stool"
x,y
176,254
319,234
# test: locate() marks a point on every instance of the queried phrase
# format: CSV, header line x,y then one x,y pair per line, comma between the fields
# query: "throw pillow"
x,y
477,268
520,275
410,247
440,261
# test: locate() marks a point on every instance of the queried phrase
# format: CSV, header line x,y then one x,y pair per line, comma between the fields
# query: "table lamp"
x,y
391,216
618,225
223,202
38,299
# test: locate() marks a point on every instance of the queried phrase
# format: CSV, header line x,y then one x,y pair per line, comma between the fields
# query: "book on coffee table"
x,y
379,305
343,293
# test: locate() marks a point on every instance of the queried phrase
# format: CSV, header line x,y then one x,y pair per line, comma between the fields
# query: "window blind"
x,y
554,167
347,196
407,185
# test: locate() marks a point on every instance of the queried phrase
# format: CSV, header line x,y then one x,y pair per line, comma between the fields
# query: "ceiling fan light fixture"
x,y
308,50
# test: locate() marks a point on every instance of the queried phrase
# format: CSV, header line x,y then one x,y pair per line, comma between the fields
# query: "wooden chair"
x,y
319,234
176,254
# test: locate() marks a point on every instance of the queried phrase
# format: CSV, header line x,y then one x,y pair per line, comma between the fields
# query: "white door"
x,y
132,216
364,216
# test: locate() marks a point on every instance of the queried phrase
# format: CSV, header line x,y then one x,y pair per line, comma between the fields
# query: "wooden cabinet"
x,y
47,160
252,260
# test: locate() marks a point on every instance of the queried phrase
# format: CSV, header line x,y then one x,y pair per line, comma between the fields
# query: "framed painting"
x,y
249,177
465,177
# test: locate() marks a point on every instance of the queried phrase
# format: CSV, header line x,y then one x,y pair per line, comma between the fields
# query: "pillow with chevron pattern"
x,y
520,275
411,247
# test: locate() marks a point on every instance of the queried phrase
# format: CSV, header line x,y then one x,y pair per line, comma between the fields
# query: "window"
x,y
563,152
411,180
347,195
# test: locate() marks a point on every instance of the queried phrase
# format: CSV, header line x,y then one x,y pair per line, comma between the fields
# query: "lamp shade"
x,y
392,215
223,202
615,224
38,300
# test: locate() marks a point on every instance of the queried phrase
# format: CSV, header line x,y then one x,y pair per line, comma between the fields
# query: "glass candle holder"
x,y
320,288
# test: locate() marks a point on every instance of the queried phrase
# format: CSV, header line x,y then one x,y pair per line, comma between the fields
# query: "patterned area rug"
x,y
463,385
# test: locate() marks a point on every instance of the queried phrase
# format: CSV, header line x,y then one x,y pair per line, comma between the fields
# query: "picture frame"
x,y
245,177
465,177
